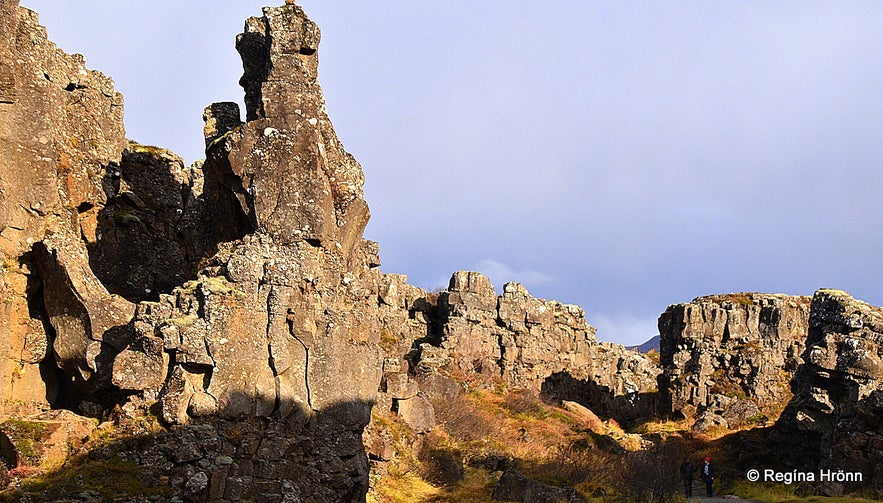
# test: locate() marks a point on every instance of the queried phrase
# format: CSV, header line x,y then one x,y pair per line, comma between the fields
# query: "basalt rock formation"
x,y
61,134
834,420
514,339
728,359
282,323
231,319
236,299
134,282
284,172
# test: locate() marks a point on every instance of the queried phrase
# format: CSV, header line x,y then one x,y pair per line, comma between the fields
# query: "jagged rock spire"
x,y
286,169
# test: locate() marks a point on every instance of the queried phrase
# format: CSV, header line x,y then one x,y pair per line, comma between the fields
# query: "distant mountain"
x,y
651,345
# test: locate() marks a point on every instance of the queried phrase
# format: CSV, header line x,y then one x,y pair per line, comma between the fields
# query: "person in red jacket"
x,y
708,476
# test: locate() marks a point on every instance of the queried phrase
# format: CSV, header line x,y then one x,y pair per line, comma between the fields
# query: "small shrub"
x,y
126,218
519,403
388,341
758,418
651,475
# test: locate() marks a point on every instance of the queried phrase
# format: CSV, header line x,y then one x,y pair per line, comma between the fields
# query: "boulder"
x,y
514,486
45,440
417,412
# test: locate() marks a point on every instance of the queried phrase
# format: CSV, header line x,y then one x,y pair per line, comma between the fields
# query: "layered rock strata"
x,y
730,358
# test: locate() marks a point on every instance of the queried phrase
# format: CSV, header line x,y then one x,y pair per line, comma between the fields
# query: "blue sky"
x,y
622,156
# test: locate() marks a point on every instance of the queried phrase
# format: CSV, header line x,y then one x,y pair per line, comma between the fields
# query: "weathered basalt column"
x,y
281,328
288,173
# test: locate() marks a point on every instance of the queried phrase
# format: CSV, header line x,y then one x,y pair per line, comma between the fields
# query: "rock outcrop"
x,y
284,172
483,339
525,341
728,359
246,293
238,301
283,321
834,420
61,134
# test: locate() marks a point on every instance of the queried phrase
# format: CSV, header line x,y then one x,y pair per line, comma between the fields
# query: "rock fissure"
x,y
309,398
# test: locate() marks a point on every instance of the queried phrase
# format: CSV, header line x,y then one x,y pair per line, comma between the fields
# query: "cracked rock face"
x,y
529,343
284,172
246,294
837,410
277,332
730,357
61,131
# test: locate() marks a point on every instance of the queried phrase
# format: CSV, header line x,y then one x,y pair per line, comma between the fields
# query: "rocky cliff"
x,y
729,359
249,317
228,325
834,420
474,336
61,138
250,293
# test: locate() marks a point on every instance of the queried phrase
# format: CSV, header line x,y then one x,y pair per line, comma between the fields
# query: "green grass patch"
x,y
26,435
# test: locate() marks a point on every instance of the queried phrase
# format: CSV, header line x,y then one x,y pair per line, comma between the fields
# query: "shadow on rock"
x,y
319,457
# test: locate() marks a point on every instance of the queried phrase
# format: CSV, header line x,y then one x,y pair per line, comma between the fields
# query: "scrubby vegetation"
x,y
489,432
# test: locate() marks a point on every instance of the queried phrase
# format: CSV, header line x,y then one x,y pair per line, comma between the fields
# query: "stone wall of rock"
x,y
246,293
834,420
730,358
284,172
485,339
523,340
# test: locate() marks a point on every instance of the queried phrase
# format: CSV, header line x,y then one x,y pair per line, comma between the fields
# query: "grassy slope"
x,y
490,431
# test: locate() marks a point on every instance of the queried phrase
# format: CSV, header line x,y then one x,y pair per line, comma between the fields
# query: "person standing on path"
x,y
687,477
708,476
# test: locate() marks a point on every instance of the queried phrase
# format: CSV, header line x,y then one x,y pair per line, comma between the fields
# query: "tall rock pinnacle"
x,y
289,174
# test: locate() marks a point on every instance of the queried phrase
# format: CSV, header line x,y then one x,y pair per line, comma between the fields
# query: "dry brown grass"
x,y
494,430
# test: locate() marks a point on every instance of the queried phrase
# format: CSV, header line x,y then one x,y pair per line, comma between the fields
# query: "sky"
x,y
622,156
